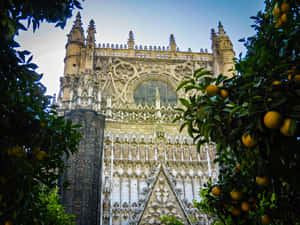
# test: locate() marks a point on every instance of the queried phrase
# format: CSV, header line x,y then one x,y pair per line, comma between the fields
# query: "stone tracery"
x,y
148,168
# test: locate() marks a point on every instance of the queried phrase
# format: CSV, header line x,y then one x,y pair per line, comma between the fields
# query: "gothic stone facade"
x,y
146,168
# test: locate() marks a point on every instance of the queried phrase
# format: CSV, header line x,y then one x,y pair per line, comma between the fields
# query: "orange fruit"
x,y
236,212
297,77
226,206
292,70
236,195
224,93
290,77
285,128
248,141
212,90
8,223
201,110
262,181
276,82
40,155
229,121
278,23
285,7
245,206
216,191
283,18
265,219
273,119
276,12
253,202
237,168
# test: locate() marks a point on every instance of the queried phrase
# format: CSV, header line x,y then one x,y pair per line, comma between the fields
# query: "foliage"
x,y
259,163
33,138
169,220
53,212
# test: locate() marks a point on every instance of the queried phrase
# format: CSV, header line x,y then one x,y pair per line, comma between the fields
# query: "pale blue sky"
x,y
152,22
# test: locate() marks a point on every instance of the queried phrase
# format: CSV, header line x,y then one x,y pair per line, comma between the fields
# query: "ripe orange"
x,y
292,70
236,212
245,206
216,191
253,202
226,206
285,128
276,12
224,93
212,90
265,219
229,121
236,195
237,168
278,23
285,7
283,18
273,119
248,141
41,155
290,77
201,110
297,77
276,82
262,181
8,223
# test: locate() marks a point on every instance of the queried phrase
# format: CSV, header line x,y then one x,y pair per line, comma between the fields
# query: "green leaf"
x,y
184,102
182,84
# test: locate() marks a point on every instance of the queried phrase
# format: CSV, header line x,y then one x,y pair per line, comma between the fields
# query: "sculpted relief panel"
x,y
120,77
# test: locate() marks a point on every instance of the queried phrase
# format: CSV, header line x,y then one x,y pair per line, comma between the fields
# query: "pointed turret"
x,y
76,33
90,40
130,40
223,53
221,29
90,46
73,47
172,43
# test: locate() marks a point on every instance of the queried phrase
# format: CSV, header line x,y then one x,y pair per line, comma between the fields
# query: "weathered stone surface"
x,y
134,87
84,168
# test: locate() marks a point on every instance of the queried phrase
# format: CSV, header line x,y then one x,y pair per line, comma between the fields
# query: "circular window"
x,y
148,91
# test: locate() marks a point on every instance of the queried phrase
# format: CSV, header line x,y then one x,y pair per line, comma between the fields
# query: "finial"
x,y
74,35
92,25
131,36
213,33
221,29
130,40
172,39
77,23
91,34
172,43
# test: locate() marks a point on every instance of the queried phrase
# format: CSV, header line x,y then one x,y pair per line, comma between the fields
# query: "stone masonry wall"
x,y
84,169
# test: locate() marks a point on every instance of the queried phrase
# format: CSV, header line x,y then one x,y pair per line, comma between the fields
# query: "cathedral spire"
x,y
130,40
91,34
213,33
221,29
172,43
76,33
77,23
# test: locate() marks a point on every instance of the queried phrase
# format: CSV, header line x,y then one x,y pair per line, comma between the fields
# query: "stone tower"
x,y
143,168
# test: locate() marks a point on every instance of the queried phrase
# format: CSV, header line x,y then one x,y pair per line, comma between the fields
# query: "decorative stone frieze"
x,y
146,168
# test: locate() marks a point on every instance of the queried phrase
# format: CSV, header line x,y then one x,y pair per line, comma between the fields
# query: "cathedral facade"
x,y
133,164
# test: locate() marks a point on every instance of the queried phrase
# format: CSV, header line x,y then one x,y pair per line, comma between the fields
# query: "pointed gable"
x,y
162,201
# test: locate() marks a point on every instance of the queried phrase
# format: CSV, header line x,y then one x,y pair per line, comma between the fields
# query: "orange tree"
x,y
33,138
253,118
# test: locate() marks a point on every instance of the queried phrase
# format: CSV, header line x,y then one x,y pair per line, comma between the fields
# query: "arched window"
x,y
148,91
